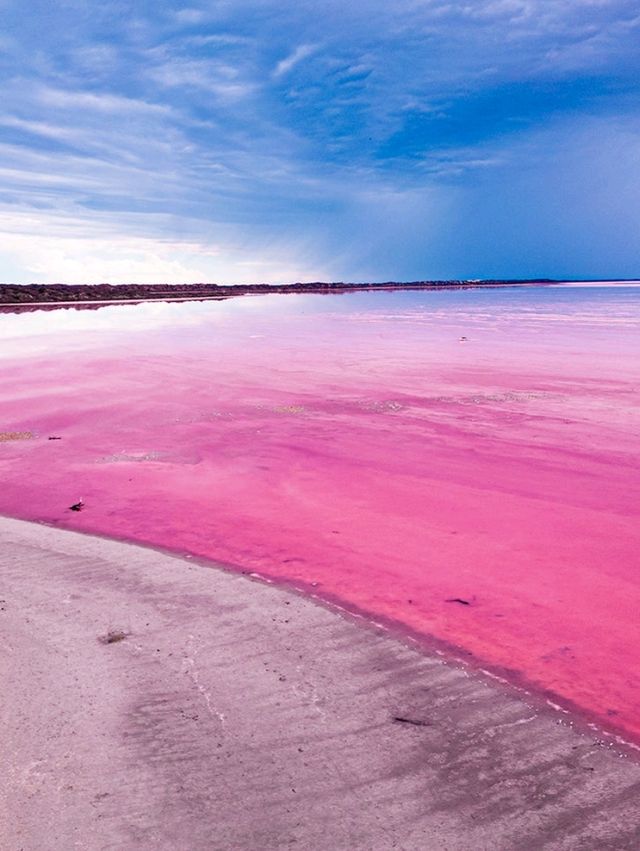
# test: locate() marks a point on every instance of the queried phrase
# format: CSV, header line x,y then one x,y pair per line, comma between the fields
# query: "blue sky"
x,y
254,140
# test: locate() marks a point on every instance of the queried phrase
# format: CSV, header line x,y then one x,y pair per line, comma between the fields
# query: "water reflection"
x,y
34,331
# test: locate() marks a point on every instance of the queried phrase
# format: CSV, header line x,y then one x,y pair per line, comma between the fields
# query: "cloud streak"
x,y
284,66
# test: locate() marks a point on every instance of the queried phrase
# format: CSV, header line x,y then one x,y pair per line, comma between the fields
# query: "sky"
x,y
240,141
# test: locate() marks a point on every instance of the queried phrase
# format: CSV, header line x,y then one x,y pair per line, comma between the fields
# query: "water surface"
x,y
462,463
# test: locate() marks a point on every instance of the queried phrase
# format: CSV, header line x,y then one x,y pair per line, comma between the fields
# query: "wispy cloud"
x,y
303,51
190,16
218,78
104,102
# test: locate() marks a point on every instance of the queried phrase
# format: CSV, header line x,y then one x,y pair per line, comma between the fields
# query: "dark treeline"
x,y
43,293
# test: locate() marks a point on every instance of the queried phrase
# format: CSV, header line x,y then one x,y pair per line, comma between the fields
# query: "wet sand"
x,y
234,714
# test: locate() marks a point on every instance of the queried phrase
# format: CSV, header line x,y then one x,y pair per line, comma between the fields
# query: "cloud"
x,y
190,16
287,64
215,77
180,128
102,248
96,101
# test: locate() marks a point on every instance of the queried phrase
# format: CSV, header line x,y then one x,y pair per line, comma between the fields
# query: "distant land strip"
x,y
34,294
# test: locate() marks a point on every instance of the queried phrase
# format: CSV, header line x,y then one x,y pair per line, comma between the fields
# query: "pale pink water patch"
x,y
484,491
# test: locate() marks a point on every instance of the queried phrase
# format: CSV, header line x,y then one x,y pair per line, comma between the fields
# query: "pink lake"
x,y
356,447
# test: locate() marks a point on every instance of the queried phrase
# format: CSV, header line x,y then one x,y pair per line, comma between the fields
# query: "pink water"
x,y
356,446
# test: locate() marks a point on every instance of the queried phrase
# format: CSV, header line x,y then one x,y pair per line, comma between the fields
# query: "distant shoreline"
x,y
47,294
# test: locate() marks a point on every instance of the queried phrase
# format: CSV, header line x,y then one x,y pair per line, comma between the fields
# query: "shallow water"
x,y
356,445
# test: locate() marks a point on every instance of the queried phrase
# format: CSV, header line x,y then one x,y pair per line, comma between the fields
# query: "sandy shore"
x,y
235,715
